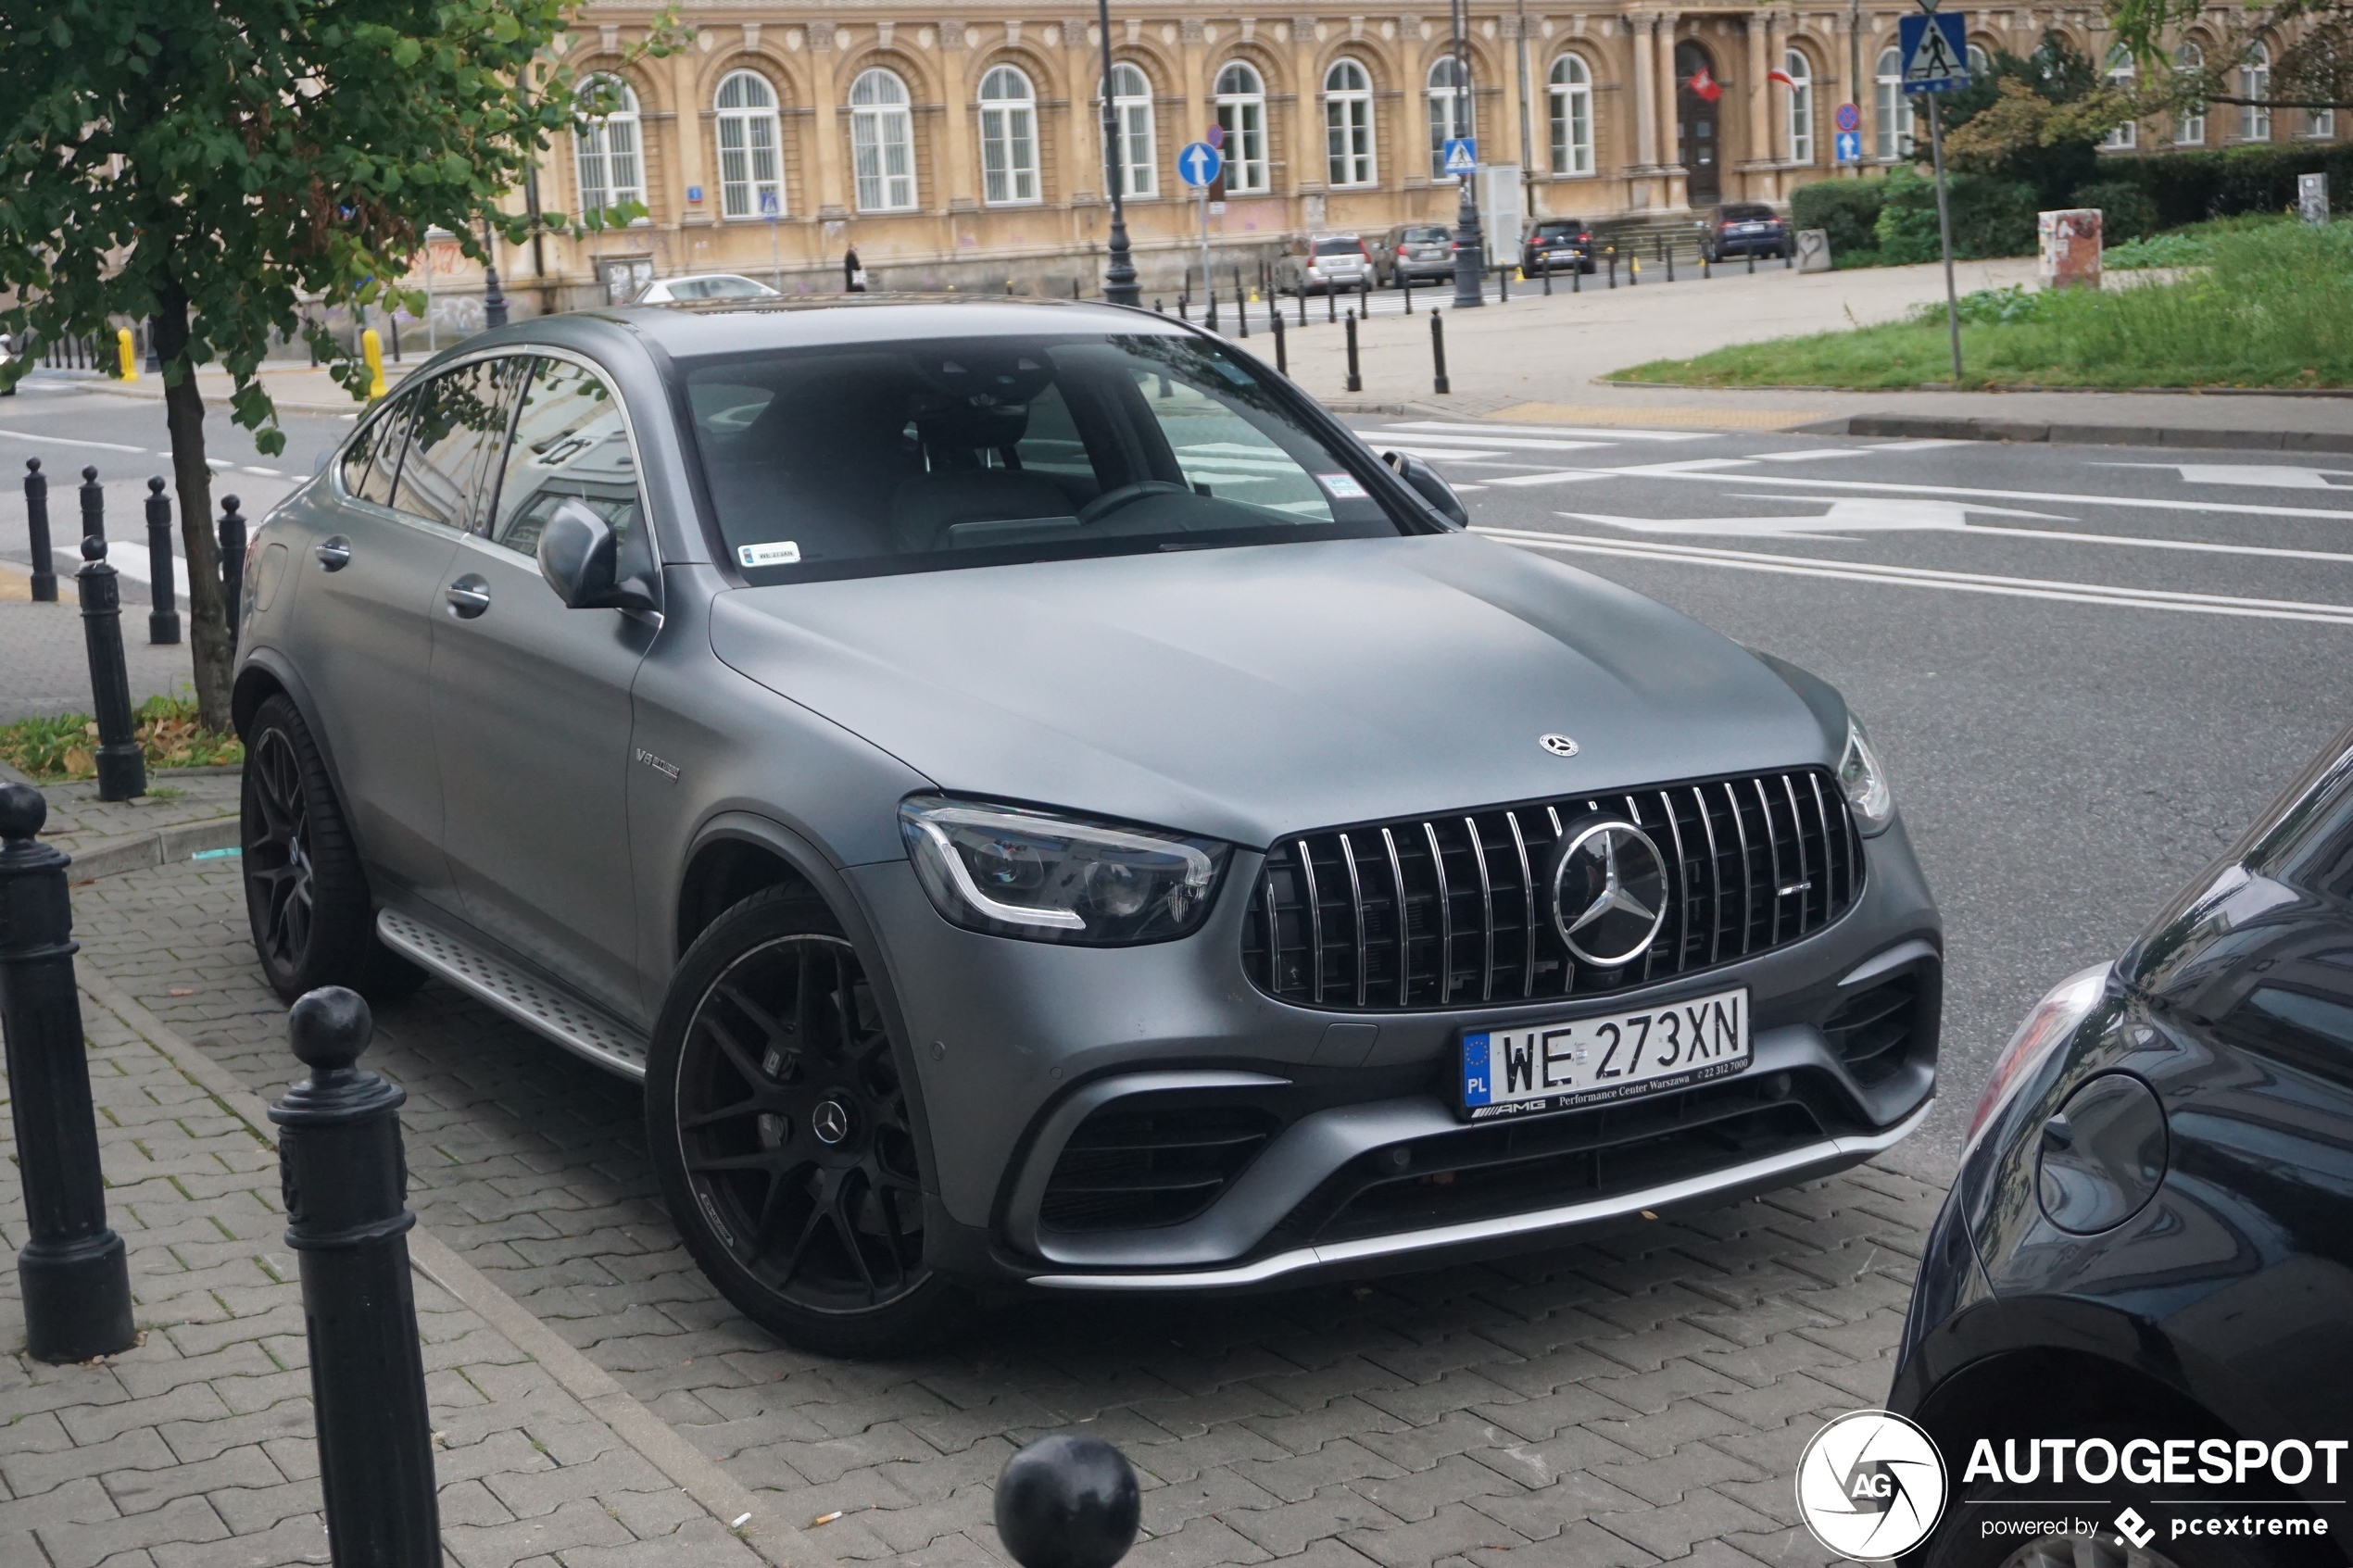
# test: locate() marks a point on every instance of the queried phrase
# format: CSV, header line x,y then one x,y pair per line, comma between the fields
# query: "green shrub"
x,y
1990,218
2127,212
1847,209
2189,187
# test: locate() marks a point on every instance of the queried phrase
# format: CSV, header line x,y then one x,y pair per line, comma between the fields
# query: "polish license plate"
x,y
1571,1062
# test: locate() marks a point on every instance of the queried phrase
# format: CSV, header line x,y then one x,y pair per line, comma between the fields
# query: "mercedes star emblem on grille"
x,y
829,1121
1559,746
1609,892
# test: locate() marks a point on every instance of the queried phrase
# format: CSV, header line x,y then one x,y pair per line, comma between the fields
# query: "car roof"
x,y
693,328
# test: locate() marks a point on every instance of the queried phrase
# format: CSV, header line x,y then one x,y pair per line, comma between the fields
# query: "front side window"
x,y
1800,71
2255,84
1242,112
2119,68
372,460
1348,124
1008,138
605,151
1572,116
459,417
882,142
1894,119
1131,100
2189,131
751,166
569,444
1450,110
888,457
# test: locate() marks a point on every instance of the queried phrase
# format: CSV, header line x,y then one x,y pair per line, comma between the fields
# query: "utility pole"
x,y
1855,66
1527,147
1119,281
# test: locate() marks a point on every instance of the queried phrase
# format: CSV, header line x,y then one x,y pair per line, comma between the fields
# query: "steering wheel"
x,y
1112,500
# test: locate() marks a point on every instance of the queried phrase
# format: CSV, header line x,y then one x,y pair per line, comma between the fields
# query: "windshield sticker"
x,y
784,552
1343,487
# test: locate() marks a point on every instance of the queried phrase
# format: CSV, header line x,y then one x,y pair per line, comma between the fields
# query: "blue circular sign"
x,y
1200,164
1849,118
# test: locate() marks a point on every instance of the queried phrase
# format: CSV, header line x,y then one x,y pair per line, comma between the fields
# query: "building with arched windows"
x,y
969,151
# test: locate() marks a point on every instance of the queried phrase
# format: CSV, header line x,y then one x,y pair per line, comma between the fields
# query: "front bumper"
x,y
1358,1159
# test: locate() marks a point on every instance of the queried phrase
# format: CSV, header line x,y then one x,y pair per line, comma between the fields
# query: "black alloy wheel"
x,y
278,879
783,1137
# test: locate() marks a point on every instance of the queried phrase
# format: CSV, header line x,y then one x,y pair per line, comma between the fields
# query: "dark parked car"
x,y
1042,805
1413,254
1557,243
1743,229
2151,1234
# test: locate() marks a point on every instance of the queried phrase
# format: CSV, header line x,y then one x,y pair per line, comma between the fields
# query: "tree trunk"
x,y
208,631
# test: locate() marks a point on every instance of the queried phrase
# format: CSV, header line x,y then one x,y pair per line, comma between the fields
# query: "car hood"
x,y
1248,694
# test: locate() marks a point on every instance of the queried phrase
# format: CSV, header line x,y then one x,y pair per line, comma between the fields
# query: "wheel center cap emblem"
x,y
830,1122
1559,746
1609,892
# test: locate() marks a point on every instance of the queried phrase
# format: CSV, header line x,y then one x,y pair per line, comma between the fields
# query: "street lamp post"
x,y
1119,281
493,299
1470,248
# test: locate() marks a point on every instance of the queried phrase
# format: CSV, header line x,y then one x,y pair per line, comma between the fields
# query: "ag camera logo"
x,y
1871,1485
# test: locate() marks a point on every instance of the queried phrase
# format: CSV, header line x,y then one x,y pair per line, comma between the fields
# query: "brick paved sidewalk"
x,y
79,822
40,648
1640,1396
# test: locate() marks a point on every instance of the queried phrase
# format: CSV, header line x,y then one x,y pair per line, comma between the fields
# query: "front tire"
x,y
779,1127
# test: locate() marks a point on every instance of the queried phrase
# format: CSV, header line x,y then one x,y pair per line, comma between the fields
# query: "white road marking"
x,y
1439,453
1600,432
1668,471
1920,446
68,441
1846,515
1923,577
1516,443
1809,454
2274,476
265,473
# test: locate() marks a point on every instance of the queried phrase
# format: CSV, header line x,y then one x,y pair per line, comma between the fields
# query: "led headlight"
x,y
1864,779
1048,878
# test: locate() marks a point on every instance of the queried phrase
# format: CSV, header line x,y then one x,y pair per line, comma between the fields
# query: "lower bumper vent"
x,y
1128,1167
1871,1030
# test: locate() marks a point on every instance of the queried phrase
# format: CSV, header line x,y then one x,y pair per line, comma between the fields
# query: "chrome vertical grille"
x,y
1444,911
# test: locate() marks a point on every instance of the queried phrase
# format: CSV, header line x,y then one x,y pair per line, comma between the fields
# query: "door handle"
x,y
335,554
468,596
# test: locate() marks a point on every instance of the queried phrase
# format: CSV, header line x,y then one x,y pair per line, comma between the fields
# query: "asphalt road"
x,y
2087,668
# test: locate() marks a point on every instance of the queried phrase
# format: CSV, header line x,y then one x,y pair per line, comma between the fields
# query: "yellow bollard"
x,y
124,352
372,349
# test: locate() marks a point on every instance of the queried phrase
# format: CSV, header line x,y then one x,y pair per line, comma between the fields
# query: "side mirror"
x,y
579,557
1430,486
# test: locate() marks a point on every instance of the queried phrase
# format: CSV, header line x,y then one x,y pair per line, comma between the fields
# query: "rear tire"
x,y
306,891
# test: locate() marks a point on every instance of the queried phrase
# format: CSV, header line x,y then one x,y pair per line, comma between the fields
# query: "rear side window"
x,y
570,443
459,419
372,460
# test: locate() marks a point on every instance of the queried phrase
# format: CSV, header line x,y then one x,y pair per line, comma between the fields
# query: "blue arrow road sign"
x,y
1461,154
1850,146
1198,164
1935,51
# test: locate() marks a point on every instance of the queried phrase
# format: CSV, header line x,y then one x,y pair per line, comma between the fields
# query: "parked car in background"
x,y
1413,254
1743,229
2151,1233
1558,243
1318,263
704,285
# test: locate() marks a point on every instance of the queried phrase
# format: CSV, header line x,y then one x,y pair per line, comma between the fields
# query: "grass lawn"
x,y
66,746
2272,307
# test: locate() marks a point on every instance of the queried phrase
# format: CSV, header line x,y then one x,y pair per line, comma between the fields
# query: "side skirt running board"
x,y
583,1030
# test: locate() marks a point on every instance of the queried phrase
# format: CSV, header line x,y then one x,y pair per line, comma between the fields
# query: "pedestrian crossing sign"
x,y
1461,154
1935,51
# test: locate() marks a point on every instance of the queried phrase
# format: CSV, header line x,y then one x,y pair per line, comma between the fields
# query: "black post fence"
x,y
163,619
1211,289
93,505
1241,302
1331,304
1437,352
1503,284
73,1273
1544,267
232,563
36,523
1282,349
1355,382
345,1185
122,766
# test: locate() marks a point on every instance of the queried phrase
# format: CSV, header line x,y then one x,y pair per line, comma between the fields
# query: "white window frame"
x,y
1348,125
1009,139
751,145
2119,70
1450,104
2255,81
1131,100
1800,109
1894,131
1568,98
881,125
2189,131
609,153
1241,109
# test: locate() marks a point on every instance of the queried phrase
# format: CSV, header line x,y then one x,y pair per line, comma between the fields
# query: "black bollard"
x,y
163,620
1706,267
1355,382
1438,351
1669,252
1212,318
1331,304
1241,305
1406,284
36,524
1184,307
1282,349
1364,296
1613,266
347,1187
122,768
1159,307
232,563
1752,264
1302,293
1544,265
1274,308
1788,257
1068,1500
1576,276
73,1275
93,505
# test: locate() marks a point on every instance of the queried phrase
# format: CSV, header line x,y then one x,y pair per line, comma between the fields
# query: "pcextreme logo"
x,y
1871,1485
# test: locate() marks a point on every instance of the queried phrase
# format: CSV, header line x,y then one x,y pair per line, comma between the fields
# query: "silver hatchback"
x,y
1042,807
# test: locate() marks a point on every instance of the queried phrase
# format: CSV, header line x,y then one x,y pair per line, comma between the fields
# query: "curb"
x,y
164,847
1930,426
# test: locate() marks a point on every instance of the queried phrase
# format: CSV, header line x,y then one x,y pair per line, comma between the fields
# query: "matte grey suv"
x,y
1042,806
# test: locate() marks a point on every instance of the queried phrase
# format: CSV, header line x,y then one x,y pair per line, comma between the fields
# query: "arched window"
x,y
2117,67
1131,100
751,179
2189,129
882,142
606,150
1241,111
1800,71
1571,92
2255,81
1008,138
1450,110
1348,124
1894,118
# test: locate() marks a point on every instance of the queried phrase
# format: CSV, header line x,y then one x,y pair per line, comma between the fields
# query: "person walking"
x,y
853,273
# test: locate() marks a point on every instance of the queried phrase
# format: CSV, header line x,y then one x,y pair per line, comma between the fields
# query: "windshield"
x,y
909,457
